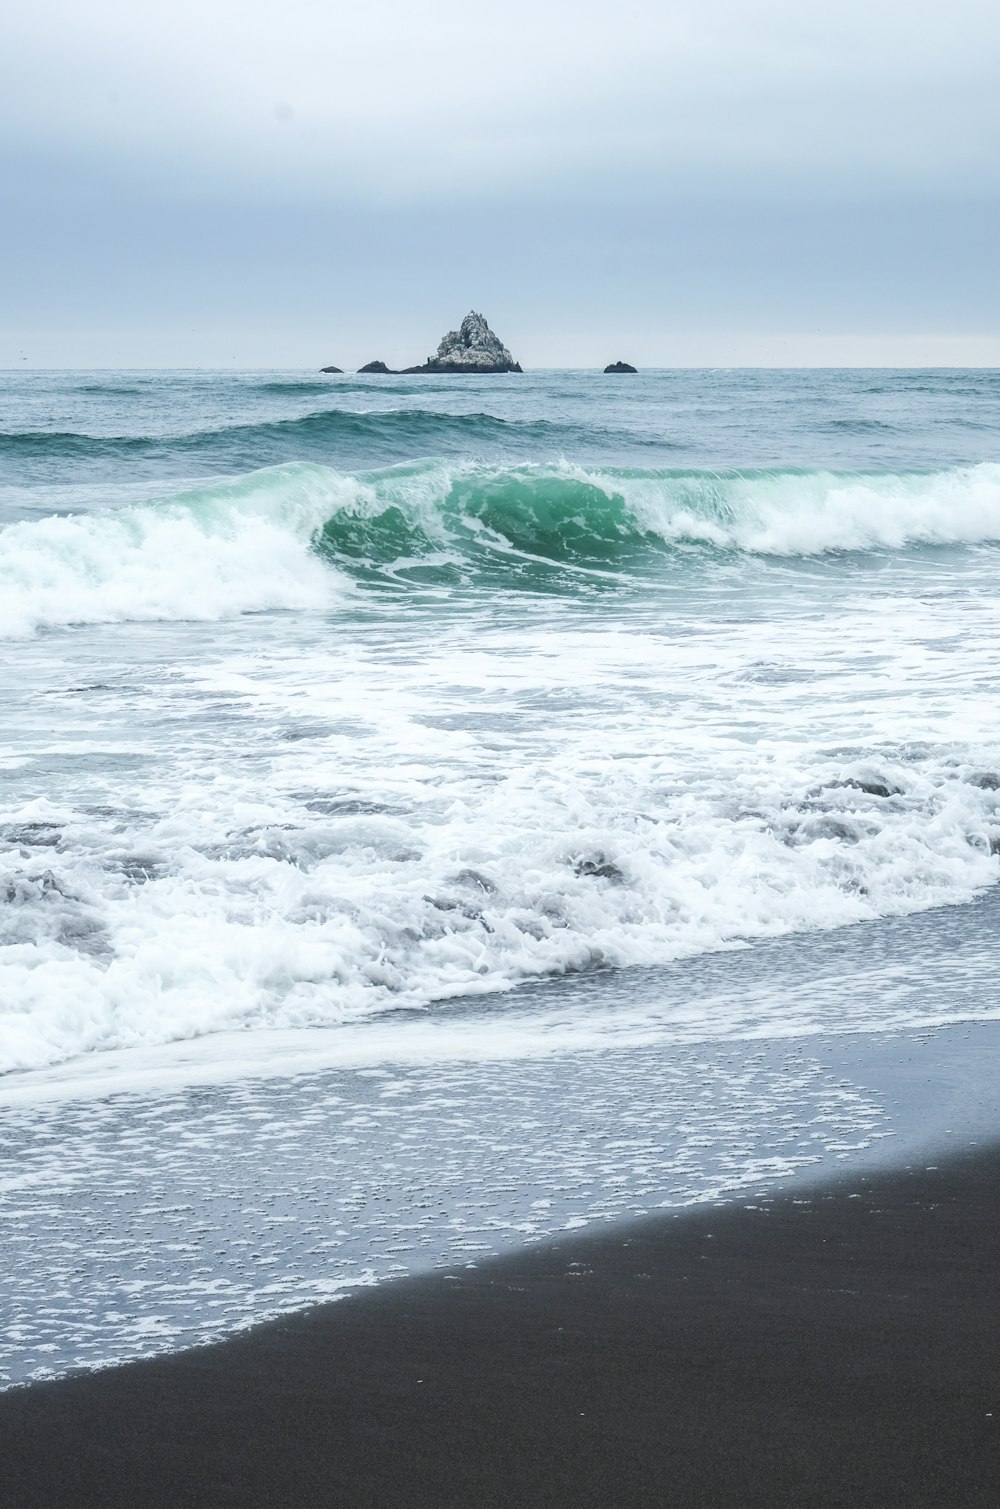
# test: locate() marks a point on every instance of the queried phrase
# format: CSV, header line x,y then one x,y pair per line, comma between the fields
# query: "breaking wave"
x,y
573,516
298,536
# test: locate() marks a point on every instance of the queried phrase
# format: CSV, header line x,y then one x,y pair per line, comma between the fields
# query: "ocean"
x,y
437,813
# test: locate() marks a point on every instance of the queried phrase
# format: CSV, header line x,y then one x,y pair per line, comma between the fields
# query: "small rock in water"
x,y
620,367
472,348
331,369
379,368
872,787
599,866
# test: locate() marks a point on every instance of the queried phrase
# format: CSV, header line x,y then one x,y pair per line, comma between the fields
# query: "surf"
x,y
300,536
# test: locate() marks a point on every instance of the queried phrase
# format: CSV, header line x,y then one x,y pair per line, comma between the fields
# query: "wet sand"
x,y
833,1346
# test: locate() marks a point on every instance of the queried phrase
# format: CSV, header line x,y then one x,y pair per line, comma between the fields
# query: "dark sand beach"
x,y
832,1346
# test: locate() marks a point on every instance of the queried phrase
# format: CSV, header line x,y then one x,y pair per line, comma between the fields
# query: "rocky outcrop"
x,y
379,368
473,348
331,369
620,367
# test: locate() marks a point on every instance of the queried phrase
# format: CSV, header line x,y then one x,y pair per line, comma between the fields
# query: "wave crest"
x,y
270,539
568,515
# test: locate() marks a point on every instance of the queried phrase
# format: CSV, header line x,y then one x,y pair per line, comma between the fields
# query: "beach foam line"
x,y
834,1346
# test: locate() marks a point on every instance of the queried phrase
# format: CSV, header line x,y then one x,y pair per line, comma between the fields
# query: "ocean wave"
x,y
381,435
855,425
294,536
299,386
512,519
112,389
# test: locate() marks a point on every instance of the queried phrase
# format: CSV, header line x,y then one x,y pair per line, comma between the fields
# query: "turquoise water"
x,y
438,813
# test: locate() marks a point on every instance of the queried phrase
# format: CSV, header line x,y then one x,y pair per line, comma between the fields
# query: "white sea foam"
x,y
809,514
231,549
291,918
141,1225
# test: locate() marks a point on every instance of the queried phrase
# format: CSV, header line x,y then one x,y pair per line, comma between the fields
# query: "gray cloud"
x,y
400,98
777,173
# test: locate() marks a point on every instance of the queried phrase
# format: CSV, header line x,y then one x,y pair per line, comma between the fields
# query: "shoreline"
x,y
207,1212
828,1346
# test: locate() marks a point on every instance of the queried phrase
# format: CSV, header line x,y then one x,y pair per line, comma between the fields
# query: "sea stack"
x,y
620,367
472,348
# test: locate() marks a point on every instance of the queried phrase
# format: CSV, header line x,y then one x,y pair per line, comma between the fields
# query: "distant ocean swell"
x,y
381,435
298,536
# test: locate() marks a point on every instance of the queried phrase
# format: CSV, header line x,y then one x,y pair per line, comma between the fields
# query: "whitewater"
x,y
460,768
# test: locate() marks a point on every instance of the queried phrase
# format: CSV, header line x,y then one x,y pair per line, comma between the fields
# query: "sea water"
x,y
436,812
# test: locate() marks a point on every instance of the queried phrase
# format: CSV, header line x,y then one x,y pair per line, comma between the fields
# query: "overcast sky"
x,y
689,182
